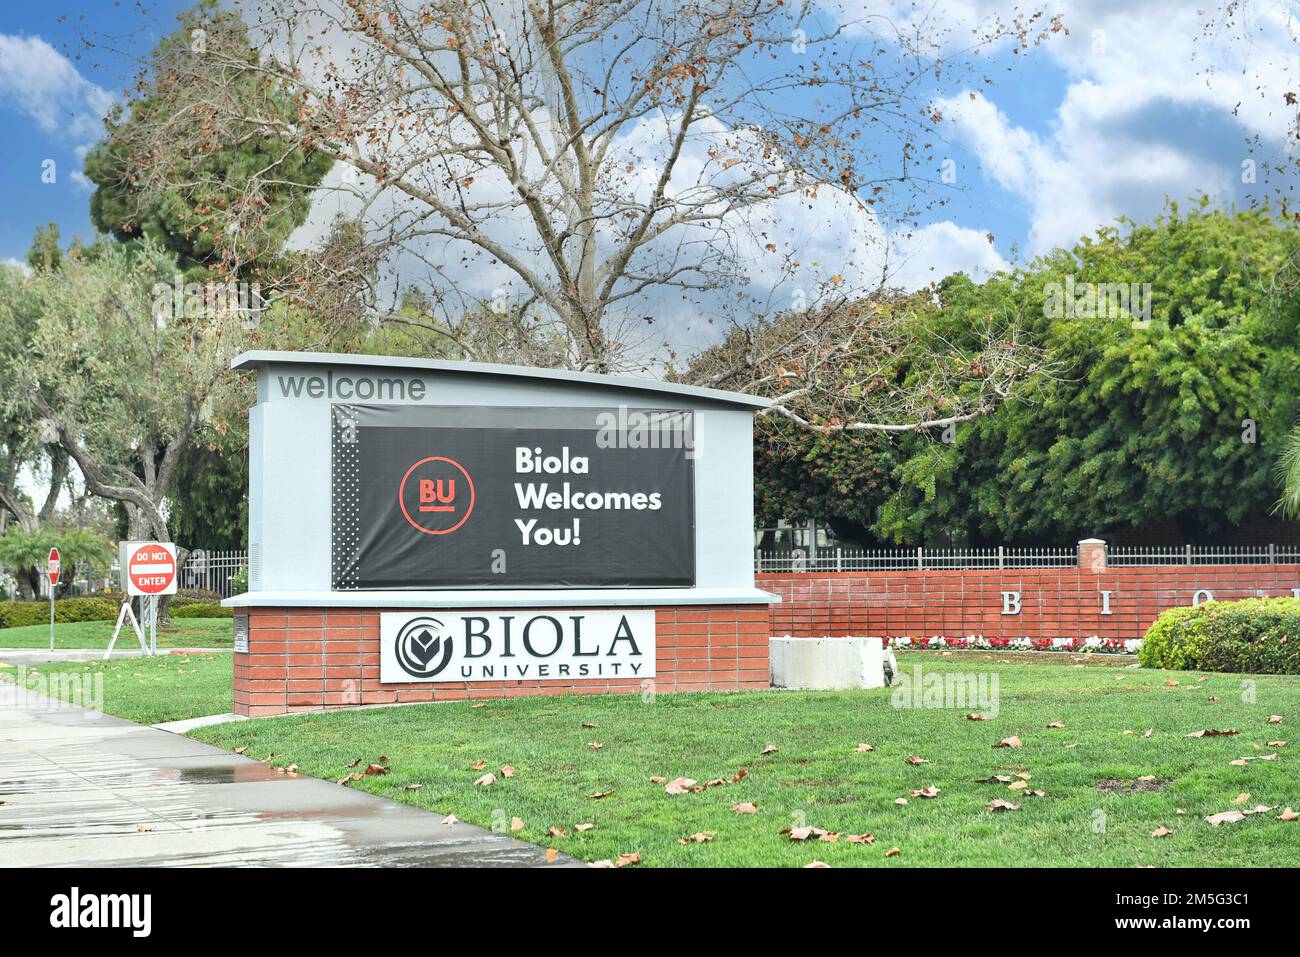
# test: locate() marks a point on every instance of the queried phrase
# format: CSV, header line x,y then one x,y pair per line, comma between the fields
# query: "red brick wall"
x,y
1055,602
304,659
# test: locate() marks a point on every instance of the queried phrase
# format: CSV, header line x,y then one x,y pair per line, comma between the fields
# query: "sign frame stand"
x,y
124,613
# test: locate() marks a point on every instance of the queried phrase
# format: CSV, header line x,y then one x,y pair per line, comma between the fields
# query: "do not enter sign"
x,y
151,568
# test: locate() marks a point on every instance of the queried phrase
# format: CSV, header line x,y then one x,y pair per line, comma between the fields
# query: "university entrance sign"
x,y
423,530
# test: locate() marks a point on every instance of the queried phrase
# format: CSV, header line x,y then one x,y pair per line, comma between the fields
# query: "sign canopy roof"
x,y
261,358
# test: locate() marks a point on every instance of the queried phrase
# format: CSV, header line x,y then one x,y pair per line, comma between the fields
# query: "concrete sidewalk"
x,y
78,789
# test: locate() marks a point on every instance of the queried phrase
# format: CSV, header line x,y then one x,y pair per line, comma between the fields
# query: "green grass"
x,y
169,687
183,633
817,778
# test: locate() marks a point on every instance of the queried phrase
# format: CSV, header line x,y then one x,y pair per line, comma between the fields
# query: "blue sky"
x,y
1109,120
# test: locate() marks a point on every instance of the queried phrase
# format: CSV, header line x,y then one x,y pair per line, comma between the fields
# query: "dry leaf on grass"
x,y
556,831
1275,744
1288,815
1011,742
925,792
486,780
916,759
1162,832
595,745
770,749
1057,725
626,860
1211,732
583,827
478,765
1274,719
589,726
973,716
516,824
657,779
1241,798
597,795
507,771
893,852
860,838
816,865
699,837
863,747
900,800
679,786
745,808
1001,805
413,787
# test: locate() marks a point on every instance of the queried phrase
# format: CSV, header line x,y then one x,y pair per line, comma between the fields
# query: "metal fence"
x,y
211,571
845,559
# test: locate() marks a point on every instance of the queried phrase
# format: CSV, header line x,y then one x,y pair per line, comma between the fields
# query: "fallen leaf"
x,y
925,792
657,779
596,796
1213,697
739,776
1011,742
699,837
486,779
1275,744
551,855
770,749
1147,777
413,787
241,750
370,769
915,759
816,864
1171,683
1274,719
516,824
450,819
1149,732
976,717
860,838
1288,815
556,831
830,837
507,771
1241,798
478,765
745,808
893,852
589,726
863,747
1225,817
583,827
1001,805
624,860
679,786
900,800
595,745
1211,732
479,704
1018,785
995,779
1161,832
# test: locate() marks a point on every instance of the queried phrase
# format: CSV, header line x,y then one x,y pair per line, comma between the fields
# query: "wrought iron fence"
x,y
212,571
845,559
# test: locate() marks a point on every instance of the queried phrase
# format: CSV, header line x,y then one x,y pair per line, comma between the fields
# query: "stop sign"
x,y
52,569
151,569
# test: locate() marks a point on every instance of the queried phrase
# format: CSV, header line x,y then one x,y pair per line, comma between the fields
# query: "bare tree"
x,y
608,161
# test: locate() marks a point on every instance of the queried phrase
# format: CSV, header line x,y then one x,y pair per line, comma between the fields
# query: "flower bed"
x,y
1091,645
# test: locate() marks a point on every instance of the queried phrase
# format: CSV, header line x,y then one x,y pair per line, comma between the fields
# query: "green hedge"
x,y
202,610
1255,635
16,614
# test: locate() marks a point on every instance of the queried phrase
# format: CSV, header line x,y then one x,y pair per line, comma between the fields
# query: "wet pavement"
x,y
78,789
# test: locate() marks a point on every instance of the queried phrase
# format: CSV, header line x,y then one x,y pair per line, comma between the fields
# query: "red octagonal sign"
x,y
151,570
52,568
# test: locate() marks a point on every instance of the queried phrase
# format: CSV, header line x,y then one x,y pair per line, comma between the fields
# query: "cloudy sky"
x,y
1141,102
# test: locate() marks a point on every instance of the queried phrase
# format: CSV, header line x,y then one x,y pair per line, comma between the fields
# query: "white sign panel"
x,y
148,568
516,645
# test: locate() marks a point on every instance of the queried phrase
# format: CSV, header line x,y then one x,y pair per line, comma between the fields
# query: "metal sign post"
x,y
52,570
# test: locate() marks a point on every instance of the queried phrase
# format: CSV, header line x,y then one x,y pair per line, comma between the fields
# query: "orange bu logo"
x,y
437,496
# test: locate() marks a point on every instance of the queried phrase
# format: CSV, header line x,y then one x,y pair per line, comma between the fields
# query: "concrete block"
x,y
827,664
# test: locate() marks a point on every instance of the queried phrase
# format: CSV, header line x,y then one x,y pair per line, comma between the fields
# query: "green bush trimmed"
x,y
1254,635
204,609
16,614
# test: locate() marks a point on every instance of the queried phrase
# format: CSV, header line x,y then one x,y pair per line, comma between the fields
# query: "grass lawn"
x,y
817,777
183,633
149,690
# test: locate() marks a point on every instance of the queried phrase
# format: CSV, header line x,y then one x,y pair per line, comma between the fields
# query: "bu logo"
x,y
436,495
422,648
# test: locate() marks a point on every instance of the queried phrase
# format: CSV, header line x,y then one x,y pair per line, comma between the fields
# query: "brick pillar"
x,y
1092,555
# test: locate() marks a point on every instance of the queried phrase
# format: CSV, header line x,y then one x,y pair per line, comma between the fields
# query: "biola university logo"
x,y
75,909
516,645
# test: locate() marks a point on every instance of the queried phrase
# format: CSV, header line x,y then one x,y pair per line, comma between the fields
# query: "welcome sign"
x,y
427,497
516,645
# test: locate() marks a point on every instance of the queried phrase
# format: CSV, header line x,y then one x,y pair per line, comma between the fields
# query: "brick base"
x,y
307,659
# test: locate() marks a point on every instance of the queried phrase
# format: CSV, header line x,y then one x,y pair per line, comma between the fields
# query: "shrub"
x,y
204,609
1255,635
16,614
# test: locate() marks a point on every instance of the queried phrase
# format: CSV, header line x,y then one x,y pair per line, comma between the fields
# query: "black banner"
x,y
427,497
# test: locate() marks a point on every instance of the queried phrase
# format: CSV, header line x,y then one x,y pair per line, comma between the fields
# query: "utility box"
x,y
827,664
